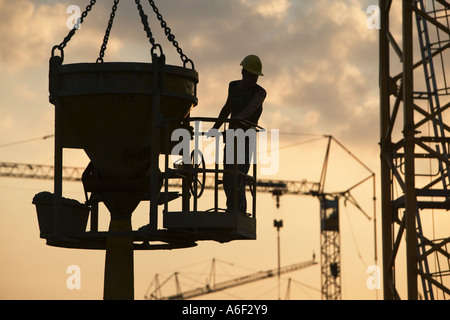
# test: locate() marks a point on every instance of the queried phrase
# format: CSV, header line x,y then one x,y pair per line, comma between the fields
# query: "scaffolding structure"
x,y
415,148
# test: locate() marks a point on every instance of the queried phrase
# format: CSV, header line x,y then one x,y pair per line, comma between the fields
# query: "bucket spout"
x,y
120,204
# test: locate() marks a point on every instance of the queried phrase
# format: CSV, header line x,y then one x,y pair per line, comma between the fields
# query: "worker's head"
x,y
251,68
252,64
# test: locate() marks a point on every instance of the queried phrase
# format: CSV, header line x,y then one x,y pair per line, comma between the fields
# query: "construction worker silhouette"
x,y
244,102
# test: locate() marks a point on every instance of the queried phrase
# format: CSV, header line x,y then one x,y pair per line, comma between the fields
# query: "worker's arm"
x,y
254,104
223,115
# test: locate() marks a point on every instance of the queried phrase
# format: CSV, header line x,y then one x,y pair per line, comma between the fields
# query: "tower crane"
x,y
215,287
414,153
329,226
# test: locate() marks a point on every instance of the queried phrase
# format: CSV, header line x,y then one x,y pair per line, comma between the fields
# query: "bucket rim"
x,y
123,66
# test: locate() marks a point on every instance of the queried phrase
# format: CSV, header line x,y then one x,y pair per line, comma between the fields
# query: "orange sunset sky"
x,y
320,65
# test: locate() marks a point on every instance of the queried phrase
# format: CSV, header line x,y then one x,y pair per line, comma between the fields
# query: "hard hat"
x,y
252,64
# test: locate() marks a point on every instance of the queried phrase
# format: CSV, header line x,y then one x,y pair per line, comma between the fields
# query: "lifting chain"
x,y
144,20
108,31
80,20
170,36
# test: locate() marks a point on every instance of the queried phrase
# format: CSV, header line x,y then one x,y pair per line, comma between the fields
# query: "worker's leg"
x,y
228,186
228,182
242,199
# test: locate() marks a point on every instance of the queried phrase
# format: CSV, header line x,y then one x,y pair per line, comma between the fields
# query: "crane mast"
x,y
411,190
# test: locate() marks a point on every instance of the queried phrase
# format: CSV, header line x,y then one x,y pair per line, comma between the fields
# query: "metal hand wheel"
x,y
198,178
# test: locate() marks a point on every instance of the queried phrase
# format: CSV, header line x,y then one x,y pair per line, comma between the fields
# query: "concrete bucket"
x,y
113,111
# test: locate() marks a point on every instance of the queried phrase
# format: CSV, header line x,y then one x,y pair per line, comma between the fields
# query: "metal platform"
x,y
217,226
97,240
181,229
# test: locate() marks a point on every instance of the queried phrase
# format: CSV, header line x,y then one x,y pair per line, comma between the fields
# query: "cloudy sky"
x,y
320,63
319,56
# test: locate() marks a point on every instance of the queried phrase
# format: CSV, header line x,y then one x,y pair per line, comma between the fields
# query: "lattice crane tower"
x,y
414,142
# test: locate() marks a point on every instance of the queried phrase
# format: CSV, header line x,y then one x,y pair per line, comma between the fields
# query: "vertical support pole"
x,y
254,158
166,166
216,185
185,187
409,132
119,260
216,174
236,175
57,197
195,165
94,215
154,164
119,263
278,224
385,153
158,64
254,190
186,195
375,241
54,65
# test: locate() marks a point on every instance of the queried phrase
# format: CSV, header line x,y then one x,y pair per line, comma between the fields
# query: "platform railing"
x,y
194,174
